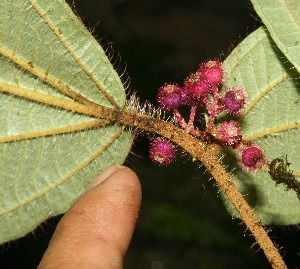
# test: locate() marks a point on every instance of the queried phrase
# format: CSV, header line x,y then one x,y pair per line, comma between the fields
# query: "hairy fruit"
x,y
253,158
196,87
235,100
229,133
162,151
170,96
212,72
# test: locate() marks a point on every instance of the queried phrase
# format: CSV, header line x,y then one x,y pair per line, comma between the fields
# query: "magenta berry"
x,y
234,100
229,133
170,96
195,87
253,158
162,151
212,72
201,90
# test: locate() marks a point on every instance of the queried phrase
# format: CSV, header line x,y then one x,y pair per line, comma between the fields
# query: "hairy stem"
x,y
205,152
208,155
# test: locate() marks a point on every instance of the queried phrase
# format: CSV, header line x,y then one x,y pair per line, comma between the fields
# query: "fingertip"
x,y
104,175
100,223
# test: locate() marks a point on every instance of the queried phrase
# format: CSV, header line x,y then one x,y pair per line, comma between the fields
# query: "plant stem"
x,y
212,109
188,127
198,149
208,155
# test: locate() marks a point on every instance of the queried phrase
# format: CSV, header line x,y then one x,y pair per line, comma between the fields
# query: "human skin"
x,y
97,229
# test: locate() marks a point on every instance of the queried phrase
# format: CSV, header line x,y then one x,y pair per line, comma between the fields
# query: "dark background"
x,y
183,223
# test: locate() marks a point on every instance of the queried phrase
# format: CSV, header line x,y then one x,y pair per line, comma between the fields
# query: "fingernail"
x,y
104,175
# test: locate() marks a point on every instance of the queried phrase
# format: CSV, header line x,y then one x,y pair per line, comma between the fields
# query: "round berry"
x,y
253,158
235,100
196,86
162,151
170,96
212,72
229,133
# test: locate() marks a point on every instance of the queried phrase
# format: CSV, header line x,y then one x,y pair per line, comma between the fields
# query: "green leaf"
x,y
282,19
272,120
52,75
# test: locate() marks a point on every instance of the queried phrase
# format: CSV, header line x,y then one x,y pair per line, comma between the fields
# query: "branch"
x,y
208,155
198,149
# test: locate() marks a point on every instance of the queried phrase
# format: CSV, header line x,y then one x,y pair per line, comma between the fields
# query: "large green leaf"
x,y
282,19
48,155
271,120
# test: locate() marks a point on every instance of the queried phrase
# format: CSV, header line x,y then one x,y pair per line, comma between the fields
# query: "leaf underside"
x,y
271,120
47,154
282,19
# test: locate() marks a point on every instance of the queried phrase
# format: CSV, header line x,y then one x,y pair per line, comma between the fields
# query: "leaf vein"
x,y
67,177
263,92
45,77
55,131
272,131
70,50
49,100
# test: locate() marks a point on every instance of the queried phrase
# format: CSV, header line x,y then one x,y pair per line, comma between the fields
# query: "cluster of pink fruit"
x,y
201,90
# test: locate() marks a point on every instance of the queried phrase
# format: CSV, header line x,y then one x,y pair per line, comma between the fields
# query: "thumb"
x,y
97,229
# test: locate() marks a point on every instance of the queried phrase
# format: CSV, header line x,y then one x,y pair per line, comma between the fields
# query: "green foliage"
x,y
51,66
271,120
265,63
47,154
282,18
